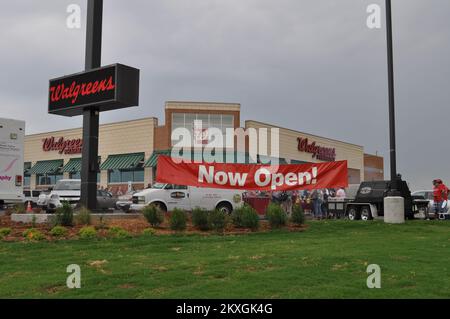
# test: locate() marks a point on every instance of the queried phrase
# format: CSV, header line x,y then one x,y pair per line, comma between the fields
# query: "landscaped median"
x,y
67,224
329,259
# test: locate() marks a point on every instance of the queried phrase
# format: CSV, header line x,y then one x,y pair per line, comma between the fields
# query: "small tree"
x,y
236,216
178,220
276,215
246,217
298,215
217,220
64,215
200,218
154,215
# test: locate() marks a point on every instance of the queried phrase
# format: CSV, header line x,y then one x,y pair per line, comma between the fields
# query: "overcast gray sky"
x,y
309,65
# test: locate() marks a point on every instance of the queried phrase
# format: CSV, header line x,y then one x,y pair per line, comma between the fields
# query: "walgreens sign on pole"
x,y
252,177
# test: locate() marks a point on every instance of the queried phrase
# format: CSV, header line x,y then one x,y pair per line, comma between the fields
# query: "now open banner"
x,y
252,176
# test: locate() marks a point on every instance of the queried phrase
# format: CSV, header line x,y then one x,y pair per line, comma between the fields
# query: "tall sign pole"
x,y
390,62
89,165
96,89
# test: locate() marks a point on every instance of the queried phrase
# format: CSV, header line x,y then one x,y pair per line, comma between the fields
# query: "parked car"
x,y
69,190
428,195
105,200
170,196
124,202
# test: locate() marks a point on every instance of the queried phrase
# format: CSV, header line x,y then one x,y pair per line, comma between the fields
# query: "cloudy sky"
x,y
309,65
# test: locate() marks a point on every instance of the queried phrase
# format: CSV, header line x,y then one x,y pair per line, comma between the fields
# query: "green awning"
x,y
72,166
236,157
46,167
122,161
298,162
153,160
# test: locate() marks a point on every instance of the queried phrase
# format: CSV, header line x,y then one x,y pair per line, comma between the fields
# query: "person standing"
x,y
317,198
286,203
326,195
440,195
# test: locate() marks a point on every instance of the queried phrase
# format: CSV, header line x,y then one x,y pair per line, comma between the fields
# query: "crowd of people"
x,y
316,201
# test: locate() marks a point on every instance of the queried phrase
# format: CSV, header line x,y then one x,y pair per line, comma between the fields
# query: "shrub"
x,y
236,216
217,220
148,232
58,231
84,216
246,217
19,209
276,215
298,215
200,218
87,232
33,234
4,232
178,219
64,215
118,232
250,219
154,215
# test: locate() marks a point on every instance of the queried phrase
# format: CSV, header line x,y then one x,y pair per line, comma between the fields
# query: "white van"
x,y
170,196
12,133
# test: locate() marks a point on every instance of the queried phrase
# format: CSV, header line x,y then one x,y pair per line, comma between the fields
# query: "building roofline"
x,y
202,103
103,124
292,130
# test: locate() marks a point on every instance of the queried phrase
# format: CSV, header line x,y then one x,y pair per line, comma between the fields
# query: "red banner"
x,y
253,176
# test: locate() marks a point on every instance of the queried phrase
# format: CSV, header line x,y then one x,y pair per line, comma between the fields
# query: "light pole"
x,y
393,203
390,63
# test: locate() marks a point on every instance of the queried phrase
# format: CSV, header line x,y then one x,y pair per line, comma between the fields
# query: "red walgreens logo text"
x,y
62,92
319,152
61,145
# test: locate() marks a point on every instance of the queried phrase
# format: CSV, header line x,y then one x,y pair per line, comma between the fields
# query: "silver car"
x,y
69,191
428,195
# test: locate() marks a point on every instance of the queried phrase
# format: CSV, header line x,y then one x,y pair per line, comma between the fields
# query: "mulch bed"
x,y
134,227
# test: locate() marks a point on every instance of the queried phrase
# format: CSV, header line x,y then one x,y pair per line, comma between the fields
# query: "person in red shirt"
x,y
440,196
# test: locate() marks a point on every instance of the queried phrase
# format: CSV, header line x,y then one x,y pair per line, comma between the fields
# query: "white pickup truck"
x,y
169,196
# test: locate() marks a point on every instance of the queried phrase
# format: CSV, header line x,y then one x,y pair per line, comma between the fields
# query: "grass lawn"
x,y
328,260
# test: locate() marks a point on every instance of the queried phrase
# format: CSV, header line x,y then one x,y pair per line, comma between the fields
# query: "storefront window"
x,y
114,176
77,175
139,175
126,175
186,120
49,179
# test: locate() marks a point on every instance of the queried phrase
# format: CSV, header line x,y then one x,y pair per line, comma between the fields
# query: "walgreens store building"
x,y
129,150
